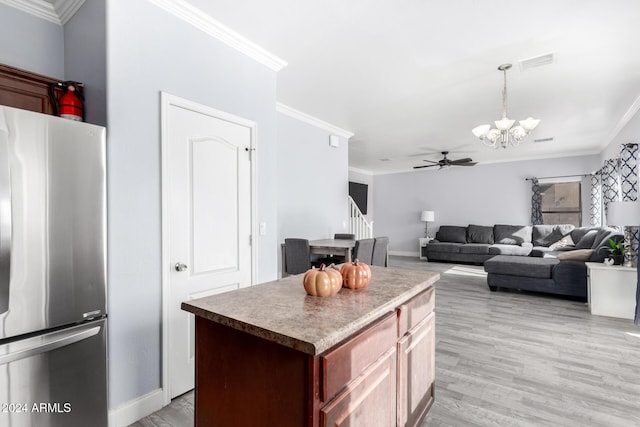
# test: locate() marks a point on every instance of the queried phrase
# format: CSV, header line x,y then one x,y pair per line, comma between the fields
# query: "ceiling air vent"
x,y
538,61
543,140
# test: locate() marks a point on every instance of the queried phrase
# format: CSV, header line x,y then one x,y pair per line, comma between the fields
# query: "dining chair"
x,y
297,255
363,250
380,250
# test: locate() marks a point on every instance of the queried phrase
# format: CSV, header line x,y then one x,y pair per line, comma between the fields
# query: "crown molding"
x,y
361,171
59,12
67,8
624,121
304,117
200,20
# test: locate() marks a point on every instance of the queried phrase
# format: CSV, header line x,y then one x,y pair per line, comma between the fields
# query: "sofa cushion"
x,y
545,235
521,266
566,241
601,244
587,240
452,234
475,248
576,255
499,249
480,234
578,233
452,248
511,234
602,236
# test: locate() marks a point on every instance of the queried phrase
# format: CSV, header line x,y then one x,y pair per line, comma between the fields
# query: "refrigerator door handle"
x,y
5,216
41,344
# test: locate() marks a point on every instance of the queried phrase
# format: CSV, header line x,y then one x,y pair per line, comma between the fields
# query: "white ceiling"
x,y
411,78
414,76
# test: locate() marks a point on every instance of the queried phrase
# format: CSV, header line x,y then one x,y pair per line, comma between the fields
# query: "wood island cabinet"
x,y
380,374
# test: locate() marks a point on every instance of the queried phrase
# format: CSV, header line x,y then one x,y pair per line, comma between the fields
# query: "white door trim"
x,y
166,101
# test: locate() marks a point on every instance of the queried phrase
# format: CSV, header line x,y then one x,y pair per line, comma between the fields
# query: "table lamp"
x,y
427,217
627,215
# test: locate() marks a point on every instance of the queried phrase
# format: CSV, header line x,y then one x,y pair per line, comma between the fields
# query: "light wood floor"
x,y
513,359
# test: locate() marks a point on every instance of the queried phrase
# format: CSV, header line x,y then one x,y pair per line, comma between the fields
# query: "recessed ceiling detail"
x,y
538,61
57,11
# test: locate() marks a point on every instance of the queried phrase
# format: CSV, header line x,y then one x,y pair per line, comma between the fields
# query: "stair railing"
x,y
358,224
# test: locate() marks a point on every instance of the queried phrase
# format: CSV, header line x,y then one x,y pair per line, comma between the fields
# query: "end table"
x,y
422,242
611,290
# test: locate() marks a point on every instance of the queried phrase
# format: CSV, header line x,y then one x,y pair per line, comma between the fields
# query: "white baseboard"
x,y
405,253
133,410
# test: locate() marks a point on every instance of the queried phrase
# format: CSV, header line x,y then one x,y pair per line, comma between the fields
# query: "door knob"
x,y
180,266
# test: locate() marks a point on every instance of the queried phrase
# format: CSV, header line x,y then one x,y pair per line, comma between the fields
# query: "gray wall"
x,y
85,57
142,61
483,194
312,181
31,43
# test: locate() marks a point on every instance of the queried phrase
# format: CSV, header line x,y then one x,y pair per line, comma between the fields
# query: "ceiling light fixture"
x,y
506,134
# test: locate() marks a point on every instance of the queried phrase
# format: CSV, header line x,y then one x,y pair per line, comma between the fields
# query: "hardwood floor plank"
x,y
512,358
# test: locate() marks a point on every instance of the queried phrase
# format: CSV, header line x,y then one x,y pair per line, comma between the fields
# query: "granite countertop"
x,y
282,312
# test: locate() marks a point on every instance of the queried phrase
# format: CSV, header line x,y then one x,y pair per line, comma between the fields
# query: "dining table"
x,y
325,247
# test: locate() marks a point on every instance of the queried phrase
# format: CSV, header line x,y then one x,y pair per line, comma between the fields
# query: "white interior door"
x,y
208,161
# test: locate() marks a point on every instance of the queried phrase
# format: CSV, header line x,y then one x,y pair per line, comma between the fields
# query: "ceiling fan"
x,y
445,162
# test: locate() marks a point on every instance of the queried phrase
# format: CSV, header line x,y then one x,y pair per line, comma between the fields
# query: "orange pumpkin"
x,y
322,282
355,275
337,284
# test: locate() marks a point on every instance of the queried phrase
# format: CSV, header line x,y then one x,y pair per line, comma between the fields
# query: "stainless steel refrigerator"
x,y
53,300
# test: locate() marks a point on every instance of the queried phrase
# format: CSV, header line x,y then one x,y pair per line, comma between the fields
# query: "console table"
x,y
612,290
270,355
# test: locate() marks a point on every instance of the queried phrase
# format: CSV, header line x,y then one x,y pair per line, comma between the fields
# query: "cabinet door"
x,y
416,372
26,90
368,400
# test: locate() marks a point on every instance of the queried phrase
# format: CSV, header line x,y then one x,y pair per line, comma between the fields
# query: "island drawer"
x,y
345,362
415,310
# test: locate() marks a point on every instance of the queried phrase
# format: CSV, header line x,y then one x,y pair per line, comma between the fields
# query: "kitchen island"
x,y
272,355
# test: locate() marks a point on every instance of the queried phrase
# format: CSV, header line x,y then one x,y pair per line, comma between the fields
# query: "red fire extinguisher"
x,y
70,104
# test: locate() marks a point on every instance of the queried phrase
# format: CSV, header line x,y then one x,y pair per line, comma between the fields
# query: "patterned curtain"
x,y
536,203
629,181
610,185
595,210
629,188
637,319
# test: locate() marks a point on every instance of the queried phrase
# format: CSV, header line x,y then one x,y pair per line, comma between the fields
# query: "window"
x,y
561,203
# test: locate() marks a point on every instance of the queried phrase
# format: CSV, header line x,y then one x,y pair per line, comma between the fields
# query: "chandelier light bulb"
x,y
504,134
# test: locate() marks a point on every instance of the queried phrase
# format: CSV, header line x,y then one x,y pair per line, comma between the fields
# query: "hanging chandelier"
x,y
505,134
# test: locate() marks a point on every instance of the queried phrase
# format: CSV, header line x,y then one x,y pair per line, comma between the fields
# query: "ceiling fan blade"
x,y
465,164
430,161
465,160
425,166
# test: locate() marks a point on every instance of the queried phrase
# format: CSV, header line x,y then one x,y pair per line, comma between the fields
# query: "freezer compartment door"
x,y
55,380
52,222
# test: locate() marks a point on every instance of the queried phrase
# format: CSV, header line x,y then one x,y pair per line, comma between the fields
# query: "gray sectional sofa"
x,y
542,258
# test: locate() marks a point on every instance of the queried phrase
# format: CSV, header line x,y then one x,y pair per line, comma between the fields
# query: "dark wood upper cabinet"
x,y
26,90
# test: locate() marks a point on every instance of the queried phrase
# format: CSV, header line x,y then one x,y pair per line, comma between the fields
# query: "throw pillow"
x,y
577,255
452,234
480,234
562,243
